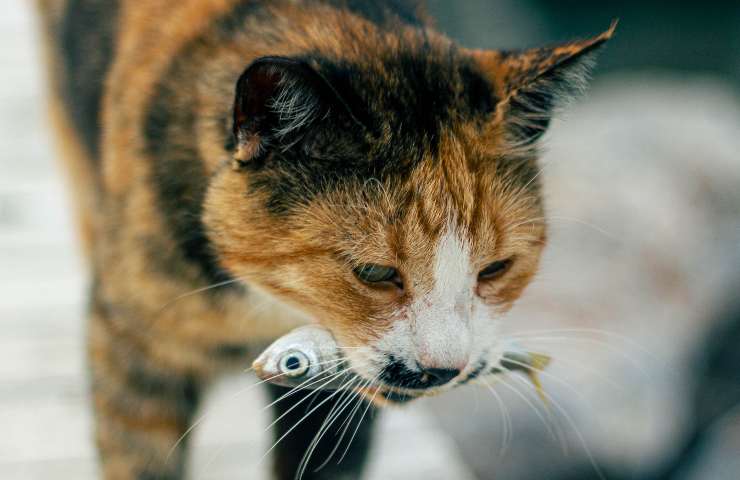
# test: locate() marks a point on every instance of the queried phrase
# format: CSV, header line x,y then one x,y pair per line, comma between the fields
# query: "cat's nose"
x,y
433,377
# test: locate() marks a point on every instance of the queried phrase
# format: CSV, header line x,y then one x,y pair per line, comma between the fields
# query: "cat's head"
x,y
393,195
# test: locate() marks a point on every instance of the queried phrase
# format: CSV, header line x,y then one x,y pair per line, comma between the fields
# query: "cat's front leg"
x,y
320,435
142,407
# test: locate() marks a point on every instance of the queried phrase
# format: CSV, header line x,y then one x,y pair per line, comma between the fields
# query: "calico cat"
x,y
242,167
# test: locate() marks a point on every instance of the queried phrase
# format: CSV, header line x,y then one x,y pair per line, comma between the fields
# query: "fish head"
x,y
297,357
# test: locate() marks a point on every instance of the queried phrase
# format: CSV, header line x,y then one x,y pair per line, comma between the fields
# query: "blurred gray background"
x,y
634,301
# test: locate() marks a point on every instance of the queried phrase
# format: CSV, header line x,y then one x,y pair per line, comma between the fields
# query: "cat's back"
x,y
111,58
142,90
95,45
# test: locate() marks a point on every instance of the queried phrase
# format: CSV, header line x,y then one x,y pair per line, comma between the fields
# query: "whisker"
x,y
578,433
325,425
295,425
572,364
206,415
312,393
534,177
336,410
628,340
530,404
505,418
199,290
305,384
344,426
357,428
555,378
293,390
347,420
604,232
592,341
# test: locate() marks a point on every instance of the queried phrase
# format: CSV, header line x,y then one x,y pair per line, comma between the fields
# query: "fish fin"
x,y
535,379
539,361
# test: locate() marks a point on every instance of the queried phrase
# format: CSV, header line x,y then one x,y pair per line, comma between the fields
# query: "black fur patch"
x,y
397,374
178,175
171,138
86,36
418,92
181,392
382,12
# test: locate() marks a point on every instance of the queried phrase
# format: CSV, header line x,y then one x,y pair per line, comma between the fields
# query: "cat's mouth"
x,y
382,394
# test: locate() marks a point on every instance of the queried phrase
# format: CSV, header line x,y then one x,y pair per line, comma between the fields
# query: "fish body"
x,y
309,358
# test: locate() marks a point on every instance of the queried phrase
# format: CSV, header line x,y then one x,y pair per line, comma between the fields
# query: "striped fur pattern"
x,y
234,161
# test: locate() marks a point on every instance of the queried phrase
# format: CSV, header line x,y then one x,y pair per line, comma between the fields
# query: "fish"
x,y
306,357
309,358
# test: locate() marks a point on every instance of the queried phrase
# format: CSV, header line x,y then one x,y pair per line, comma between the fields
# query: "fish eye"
x,y
294,364
373,273
494,270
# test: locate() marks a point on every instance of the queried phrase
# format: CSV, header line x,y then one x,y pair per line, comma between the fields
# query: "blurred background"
x,y
638,300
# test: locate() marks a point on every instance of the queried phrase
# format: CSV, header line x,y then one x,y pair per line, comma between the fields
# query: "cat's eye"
x,y
494,270
373,273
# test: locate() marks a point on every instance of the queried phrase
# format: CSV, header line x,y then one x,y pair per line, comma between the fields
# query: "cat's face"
x,y
419,275
410,275
405,220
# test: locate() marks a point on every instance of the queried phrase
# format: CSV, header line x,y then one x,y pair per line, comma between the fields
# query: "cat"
x,y
244,167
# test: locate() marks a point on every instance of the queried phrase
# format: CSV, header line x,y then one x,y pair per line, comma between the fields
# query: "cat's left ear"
x,y
531,84
279,102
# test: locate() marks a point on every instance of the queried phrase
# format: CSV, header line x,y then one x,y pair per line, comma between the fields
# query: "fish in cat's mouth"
x,y
309,358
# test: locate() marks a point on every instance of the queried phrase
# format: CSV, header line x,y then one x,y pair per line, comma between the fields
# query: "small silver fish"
x,y
309,357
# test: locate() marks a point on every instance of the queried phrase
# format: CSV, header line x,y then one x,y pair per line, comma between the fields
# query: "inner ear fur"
x,y
533,83
277,100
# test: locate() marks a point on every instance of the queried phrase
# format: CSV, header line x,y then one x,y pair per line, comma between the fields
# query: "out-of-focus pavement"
x,y
643,186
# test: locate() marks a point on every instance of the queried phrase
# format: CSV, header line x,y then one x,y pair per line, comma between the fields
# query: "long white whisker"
x,y
592,341
578,433
604,232
205,415
572,364
599,331
343,402
531,405
296,404
200,290
548,375
305,384
359,423
358,394
505,418
295,425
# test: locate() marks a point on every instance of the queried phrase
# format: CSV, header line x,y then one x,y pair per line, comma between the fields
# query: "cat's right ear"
x,y
277,101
